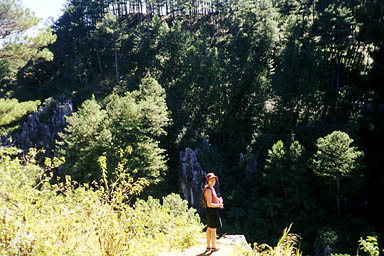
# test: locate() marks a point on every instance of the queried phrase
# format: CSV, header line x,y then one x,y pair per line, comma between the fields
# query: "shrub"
x,y
12,111
285,247
369,245
72,219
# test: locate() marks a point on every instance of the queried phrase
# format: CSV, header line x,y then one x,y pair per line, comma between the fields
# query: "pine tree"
x,y
138,120
17,47
111,35
131,123
84,139
336,158
287,181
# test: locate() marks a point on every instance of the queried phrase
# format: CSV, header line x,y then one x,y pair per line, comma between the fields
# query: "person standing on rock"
x,y
214,204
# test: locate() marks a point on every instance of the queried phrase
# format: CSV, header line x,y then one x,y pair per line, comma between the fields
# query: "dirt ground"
x,y
226,249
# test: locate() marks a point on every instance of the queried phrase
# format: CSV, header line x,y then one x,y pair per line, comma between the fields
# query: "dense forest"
x,y
288,93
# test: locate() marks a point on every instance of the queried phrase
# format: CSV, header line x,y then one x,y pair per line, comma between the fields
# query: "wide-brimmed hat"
x,y
210,176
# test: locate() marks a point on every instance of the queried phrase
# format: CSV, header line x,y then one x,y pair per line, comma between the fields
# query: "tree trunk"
x,y
338,195
127,16
149,12
117,68
99,63
86,76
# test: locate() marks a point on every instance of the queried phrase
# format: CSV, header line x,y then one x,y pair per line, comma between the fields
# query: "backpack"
x,y
203,202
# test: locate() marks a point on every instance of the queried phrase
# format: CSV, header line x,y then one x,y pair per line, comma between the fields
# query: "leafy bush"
x,y
12,111
326,239
42,219
369,245
172,219
287,246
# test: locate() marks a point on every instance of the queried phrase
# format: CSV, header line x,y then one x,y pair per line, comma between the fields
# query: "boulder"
x,y
238,240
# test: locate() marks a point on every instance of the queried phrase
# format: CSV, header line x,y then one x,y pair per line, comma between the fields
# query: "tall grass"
x,y
37,218
286,246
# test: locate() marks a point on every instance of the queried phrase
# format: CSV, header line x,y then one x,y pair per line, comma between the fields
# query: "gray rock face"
x,y
192,175
249,164
6,141
38,133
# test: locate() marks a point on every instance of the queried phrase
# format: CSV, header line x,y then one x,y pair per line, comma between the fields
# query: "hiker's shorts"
x,y
213,217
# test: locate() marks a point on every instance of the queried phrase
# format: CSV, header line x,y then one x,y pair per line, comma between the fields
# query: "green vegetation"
x,y
128,128
42,219
369,246
17,48
335,158
288,93
12,111
286,246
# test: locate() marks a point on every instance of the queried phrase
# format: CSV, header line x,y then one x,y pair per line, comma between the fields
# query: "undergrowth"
x,y
37,218
286,246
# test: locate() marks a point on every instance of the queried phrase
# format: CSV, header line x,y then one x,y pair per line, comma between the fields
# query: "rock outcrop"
x,y
192,175
40,130
236,240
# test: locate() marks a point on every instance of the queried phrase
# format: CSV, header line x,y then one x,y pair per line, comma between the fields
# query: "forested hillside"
x,y
288,93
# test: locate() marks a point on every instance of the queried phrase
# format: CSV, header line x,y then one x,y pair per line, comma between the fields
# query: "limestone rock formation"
x,y
192,175
40,131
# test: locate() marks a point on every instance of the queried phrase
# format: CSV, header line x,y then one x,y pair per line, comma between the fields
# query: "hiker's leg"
x,y
209,231
213,237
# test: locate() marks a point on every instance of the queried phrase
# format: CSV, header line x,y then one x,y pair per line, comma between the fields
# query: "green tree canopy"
x,y
336,158
129,124
84,140
286,180
16,46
